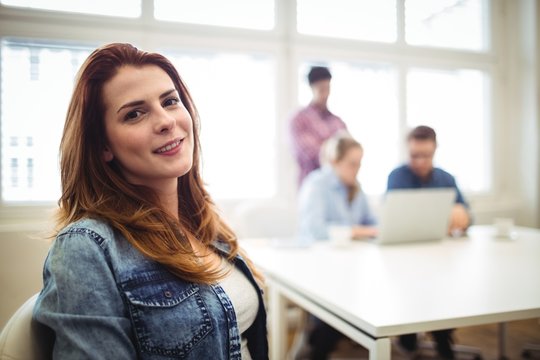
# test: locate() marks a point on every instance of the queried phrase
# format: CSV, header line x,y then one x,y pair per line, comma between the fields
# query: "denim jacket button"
x,y
167,294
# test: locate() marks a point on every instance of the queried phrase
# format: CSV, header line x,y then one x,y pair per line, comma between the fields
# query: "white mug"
x,y
340,235
503,227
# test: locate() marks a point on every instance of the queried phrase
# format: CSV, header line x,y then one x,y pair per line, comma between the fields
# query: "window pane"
x,y
122,8
350,19
365,97
434,23
235,96
455,104
37,81
249,14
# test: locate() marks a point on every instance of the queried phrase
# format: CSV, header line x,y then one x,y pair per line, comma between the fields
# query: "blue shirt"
x,y
323,201
103,299
403,178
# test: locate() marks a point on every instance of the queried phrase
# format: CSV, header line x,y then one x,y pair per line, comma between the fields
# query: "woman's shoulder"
x,y
98,230
319,177
98,239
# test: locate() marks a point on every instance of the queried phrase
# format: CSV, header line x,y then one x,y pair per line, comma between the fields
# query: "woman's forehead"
x,y
132,83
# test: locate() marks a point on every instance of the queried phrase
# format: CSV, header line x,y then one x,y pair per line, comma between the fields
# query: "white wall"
x,y
22,253
520,129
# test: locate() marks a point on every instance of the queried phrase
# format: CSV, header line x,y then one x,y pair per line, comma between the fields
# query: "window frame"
x,y
290,49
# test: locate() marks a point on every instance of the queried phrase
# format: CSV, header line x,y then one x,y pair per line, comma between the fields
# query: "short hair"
x,y
422,132
318,73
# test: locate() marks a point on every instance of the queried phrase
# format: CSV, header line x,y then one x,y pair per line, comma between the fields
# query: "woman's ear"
x,y
107,154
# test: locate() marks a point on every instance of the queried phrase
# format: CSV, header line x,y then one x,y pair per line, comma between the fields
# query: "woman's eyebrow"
x,y
140,102
167,93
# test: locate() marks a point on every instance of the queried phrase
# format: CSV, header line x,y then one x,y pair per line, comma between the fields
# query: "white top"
x,y
244,299
395,289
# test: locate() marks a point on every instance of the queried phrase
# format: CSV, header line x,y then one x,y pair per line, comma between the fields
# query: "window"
x,y
248,14
350,19
383,83
121,8
36,83
234,94
460,24
455,103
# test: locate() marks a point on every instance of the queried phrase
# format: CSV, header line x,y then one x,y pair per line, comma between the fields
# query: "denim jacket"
x,y
102,299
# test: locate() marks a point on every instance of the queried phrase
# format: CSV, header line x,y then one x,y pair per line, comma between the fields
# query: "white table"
x,y
371,292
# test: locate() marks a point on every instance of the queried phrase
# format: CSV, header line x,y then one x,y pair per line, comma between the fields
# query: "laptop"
x,y
409,215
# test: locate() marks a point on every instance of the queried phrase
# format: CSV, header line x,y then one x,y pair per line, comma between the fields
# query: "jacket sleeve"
x,y
81,303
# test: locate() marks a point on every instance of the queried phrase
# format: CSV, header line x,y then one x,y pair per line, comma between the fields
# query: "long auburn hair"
x,y
93,188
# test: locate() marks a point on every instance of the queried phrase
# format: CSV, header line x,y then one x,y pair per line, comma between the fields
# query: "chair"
x,y
468,352
273,219
19,340
265,218
531,351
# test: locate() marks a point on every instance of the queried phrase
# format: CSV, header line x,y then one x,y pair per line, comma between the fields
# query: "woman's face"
x,y
347,168
149,131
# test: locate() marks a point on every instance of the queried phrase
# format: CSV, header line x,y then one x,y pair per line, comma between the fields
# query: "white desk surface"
x,y
395,289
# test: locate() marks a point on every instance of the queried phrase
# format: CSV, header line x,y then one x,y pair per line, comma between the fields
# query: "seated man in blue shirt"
x,y
420,173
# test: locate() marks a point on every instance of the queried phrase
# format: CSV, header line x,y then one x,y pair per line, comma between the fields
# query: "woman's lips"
x,y
171,148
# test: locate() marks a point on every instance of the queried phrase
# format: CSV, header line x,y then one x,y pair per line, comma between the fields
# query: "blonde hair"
x,y
335,148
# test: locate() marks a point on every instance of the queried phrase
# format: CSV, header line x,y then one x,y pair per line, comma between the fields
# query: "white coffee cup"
x,y
503,227
340,235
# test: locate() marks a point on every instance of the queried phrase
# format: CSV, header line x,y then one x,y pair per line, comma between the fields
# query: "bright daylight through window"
x,y
121,8
377,89
37,81
257,14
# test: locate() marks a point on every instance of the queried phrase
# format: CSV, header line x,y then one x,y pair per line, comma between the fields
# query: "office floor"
x,y
484,337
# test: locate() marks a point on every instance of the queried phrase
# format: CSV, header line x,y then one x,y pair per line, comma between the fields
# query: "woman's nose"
x,y
165,121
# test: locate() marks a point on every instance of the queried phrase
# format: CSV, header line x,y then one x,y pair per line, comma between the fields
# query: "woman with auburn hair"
x,y
142,265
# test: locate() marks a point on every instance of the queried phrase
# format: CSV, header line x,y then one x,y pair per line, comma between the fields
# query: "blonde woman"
x,y
332,195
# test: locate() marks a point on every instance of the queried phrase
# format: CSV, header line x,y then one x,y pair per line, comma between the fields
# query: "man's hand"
x,y
459,219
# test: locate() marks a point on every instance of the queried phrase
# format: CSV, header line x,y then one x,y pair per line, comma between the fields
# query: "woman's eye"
x,y
171,101
133,115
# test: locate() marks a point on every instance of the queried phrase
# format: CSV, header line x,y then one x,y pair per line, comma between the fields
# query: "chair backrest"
x,y
19,340
23,250
265,219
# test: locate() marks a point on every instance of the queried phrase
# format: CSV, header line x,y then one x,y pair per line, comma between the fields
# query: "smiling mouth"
x,y
169,147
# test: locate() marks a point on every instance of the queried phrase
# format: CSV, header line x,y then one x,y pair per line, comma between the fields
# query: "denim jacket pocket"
x,y
169,315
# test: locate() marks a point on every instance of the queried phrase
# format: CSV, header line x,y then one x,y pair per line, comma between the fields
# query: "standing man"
x,y
420,173
312,125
